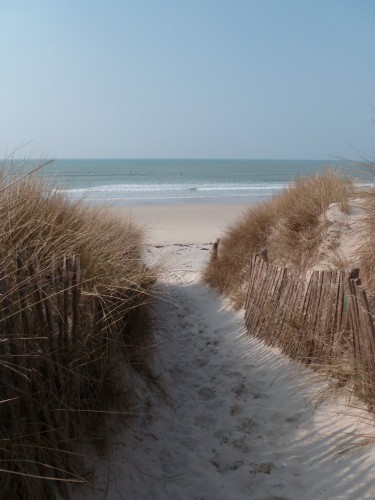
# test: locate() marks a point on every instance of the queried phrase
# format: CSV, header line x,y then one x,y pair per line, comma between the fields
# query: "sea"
x,y
175,181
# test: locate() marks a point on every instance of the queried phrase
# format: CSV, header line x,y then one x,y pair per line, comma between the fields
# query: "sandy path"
x,y
240,424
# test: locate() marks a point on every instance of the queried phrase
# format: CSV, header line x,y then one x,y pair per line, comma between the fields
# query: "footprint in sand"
x,y
239,389
213,342
235,410
205,421
199,362
241,444
259,395
206,393
234,466
263,468
223,464
234,374
222,436
247,425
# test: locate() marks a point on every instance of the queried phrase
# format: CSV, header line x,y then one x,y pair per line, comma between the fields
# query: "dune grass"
x,y
289,227
301,312
367,249
55,397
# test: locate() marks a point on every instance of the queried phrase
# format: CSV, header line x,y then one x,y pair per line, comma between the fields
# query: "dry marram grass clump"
x,y
289,227
74,329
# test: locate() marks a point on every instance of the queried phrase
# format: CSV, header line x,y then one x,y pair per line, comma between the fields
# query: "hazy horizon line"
x,y
334,158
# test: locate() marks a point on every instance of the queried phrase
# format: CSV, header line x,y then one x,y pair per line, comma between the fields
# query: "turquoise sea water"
x,y
131,182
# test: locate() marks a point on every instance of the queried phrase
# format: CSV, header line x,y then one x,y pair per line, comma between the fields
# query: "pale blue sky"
x,y
187,78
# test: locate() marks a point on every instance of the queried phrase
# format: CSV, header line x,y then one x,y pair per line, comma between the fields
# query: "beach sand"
x,y
241,421
168,224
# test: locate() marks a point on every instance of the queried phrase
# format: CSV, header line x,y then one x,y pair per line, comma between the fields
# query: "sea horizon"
x,y
126,181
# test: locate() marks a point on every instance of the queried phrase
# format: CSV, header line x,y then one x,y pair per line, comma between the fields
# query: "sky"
x,y
273,79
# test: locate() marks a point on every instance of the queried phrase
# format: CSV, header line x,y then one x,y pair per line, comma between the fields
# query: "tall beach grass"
x,y
323,318
54,397
288,227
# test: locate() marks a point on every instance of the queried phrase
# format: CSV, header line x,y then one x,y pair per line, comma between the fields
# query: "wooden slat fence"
x,y
55,343
320,317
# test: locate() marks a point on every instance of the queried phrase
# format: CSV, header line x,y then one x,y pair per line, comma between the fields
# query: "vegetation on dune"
x,y
289,227
74,328
322,317
367,248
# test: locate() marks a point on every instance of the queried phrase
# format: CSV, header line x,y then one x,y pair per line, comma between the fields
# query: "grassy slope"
x,y
41,227
288,226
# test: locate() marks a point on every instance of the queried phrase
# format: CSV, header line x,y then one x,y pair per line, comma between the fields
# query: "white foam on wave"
x,y
160,188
